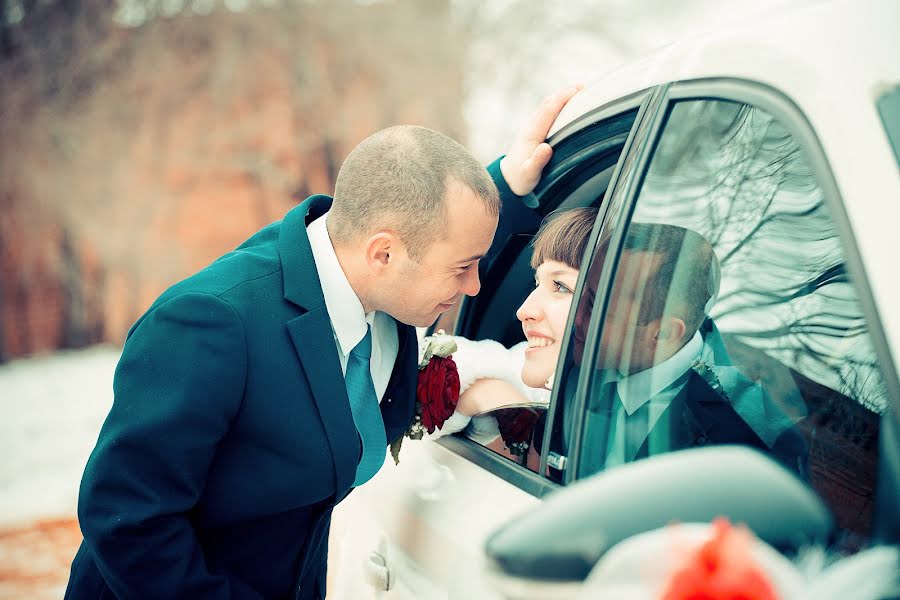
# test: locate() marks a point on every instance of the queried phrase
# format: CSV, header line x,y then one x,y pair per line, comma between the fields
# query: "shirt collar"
x,y
346,311
638,388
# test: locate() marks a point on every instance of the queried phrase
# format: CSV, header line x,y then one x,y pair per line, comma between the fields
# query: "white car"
x,y
780,143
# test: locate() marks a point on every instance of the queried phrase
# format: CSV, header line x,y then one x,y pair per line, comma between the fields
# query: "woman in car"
x,y
493,376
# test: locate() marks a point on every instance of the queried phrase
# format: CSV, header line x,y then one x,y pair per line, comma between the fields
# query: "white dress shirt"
x,y
658,385
348,321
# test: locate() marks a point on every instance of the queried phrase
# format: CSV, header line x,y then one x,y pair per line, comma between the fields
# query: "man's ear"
x,y
671,329
381,249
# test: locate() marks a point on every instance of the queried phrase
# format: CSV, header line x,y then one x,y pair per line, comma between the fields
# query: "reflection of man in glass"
x,y
652,313
665,379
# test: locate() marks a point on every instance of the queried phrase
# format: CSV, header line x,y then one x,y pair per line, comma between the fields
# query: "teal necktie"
x,y
365,410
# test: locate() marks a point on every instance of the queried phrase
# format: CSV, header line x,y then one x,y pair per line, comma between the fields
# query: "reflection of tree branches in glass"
x,y
735,175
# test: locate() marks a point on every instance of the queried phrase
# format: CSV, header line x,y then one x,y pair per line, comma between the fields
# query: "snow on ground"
x,y
52,409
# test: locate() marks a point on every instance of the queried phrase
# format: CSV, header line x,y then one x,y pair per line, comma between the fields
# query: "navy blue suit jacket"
x,y
230,438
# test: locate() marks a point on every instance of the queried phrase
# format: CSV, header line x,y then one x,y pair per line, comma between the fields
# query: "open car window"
x,y
579,175
726,315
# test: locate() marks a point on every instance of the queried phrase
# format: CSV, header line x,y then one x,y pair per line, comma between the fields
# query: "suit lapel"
x,y
400,396
313,340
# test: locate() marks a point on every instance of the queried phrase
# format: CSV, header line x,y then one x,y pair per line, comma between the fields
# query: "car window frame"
x,y
792,118
621,189
518,475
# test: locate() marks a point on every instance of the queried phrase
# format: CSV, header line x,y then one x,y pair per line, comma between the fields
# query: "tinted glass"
x,y
731,317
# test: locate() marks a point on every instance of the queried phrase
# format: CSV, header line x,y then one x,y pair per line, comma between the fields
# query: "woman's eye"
x,y
559,286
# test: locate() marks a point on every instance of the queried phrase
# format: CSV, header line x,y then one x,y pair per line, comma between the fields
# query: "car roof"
x,y
839,45
833,60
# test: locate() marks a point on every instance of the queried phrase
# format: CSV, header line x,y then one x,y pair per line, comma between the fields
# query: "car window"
x,y
578,175
730,315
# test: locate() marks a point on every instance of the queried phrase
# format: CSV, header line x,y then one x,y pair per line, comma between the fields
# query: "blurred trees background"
x,y
140,140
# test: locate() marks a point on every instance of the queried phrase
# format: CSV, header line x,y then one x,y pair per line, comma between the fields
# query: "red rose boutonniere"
x,y
437,392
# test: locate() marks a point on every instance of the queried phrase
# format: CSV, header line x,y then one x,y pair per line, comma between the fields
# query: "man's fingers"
x,y
534,164
540,157
547,112
529,154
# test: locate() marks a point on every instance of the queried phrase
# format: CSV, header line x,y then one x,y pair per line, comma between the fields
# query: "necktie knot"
x,y
364,348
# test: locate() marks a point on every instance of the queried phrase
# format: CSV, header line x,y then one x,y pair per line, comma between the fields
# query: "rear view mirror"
x,y
563,538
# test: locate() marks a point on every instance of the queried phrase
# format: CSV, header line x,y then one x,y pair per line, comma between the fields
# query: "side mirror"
x,y
561,540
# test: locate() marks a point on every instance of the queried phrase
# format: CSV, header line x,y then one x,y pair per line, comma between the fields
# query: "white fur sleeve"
x,y
485,359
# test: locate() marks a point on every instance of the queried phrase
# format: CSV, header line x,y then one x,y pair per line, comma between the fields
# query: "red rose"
x,y
438,391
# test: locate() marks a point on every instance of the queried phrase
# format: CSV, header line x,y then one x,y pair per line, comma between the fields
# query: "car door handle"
x,y
378,573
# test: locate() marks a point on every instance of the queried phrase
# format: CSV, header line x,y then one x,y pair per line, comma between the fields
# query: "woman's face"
x,y
543,316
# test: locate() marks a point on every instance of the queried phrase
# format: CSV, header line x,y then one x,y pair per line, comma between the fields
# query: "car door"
x,y
789,356
427,518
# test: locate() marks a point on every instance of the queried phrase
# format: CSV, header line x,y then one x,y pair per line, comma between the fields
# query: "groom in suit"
x,y
256,394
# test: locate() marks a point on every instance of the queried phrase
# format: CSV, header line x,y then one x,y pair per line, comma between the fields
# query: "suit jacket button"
x,y
702,441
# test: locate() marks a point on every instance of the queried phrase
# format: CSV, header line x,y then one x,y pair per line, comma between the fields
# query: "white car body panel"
x,y
449,507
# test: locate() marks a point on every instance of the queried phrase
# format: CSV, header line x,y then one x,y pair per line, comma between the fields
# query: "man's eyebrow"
x,y
470,259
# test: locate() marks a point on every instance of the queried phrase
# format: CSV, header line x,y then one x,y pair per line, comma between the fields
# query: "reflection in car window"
x,y
731,317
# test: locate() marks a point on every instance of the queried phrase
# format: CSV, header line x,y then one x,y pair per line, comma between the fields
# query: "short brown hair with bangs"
x,y
563,237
